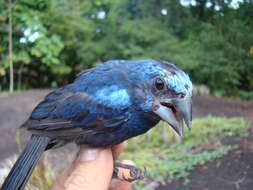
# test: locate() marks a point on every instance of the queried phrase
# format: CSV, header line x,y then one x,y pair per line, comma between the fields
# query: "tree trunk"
x,y
10,46
20,77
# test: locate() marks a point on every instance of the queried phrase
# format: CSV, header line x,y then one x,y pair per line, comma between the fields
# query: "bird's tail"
x,y
25,164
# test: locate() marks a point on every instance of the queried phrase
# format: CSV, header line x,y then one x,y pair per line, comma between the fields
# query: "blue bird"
x,y
105,106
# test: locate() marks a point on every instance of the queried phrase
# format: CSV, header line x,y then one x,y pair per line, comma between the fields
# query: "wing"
x,y
66,114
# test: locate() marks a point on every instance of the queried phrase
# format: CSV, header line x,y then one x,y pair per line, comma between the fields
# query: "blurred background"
x,y
45,44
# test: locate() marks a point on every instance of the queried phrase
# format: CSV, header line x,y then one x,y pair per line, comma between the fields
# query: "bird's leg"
x,y
135,172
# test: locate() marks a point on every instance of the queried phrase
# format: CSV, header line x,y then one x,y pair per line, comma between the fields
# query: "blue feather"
x,y
113,96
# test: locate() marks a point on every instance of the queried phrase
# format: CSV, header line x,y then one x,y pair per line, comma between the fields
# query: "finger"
x,y
116,150
118,184
92,169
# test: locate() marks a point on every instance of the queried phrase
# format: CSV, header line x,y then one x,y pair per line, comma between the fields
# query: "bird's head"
x,y
169,92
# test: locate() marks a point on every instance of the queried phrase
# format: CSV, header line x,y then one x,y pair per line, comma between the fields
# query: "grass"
x,y
160,151
167,161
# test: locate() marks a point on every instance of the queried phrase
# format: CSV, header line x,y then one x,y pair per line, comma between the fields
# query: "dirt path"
x,y
16,108
208,105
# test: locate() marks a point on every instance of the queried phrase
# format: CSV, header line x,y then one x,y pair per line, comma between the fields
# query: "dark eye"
x,y
159,84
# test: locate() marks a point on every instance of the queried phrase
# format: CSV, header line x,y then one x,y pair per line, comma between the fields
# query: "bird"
x,y
104,106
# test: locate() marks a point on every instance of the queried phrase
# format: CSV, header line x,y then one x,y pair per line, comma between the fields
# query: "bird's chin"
x,y
175,114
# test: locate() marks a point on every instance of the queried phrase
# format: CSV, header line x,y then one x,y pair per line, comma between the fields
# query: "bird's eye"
x,y
159,83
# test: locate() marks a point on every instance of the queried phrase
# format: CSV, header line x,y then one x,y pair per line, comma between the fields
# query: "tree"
x,y
54,40
10,45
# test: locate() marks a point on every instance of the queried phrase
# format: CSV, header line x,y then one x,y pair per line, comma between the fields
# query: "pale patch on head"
x,y
113,96
179,82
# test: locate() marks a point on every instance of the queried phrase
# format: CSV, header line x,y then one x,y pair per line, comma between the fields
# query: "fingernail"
x,y
89,154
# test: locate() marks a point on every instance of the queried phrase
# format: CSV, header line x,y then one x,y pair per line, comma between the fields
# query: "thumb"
x,y
92,169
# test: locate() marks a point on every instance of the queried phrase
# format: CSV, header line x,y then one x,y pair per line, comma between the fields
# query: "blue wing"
x,y
68,113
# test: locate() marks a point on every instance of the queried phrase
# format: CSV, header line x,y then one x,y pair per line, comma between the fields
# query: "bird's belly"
x,y
104,139
112,138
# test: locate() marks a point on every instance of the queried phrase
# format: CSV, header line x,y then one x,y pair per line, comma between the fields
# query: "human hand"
x,y
92,170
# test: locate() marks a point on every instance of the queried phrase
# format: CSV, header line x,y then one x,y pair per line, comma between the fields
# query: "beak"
x,y
176,112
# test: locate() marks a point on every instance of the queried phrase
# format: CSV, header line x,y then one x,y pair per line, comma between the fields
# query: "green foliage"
x,y
166,162
54,40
